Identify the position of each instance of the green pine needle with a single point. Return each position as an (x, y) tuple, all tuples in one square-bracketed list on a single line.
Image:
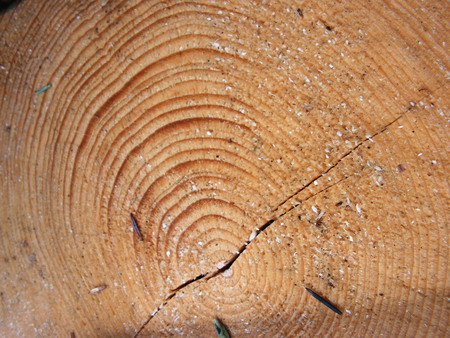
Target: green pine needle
[(221, 329), (43, 89)]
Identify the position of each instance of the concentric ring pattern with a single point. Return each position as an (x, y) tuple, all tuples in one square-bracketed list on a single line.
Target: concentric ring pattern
[(252, 141)]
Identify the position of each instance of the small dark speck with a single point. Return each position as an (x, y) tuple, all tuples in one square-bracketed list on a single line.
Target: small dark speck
[(319, 222), (328, 28), (400, 168), (32, 258), (230, 140), (339, 203), (381, 294), (299, 11), (8, 128)]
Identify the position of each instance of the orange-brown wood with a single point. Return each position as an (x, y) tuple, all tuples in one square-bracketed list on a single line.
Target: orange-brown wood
[(263, 147)]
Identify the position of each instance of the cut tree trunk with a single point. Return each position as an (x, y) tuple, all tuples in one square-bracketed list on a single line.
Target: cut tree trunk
[(263, 147)]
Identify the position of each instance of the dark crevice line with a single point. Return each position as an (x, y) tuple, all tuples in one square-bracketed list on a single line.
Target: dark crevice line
[(311, 196), (203, 275), (381, 130), (265, 226), (320, 191), (268, 223), (154, 314), (259, 230), (240, 251), (229, 264), (189, 282), (169, 297)]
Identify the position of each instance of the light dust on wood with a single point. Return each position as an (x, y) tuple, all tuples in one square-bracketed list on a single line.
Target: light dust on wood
[(262, 146)]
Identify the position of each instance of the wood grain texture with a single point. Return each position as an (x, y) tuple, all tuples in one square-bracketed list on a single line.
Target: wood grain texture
[(261, 152)]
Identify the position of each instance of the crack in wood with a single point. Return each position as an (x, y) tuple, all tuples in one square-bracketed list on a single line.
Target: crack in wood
[(381, 130), (241, 250), (154, 313), (203, 275), (209, 275), (189, 282)]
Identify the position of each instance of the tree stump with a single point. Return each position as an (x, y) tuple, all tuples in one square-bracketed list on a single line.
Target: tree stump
[(263, 147)]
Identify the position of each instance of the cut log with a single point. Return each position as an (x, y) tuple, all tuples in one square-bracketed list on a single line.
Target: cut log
[(276, 156)]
